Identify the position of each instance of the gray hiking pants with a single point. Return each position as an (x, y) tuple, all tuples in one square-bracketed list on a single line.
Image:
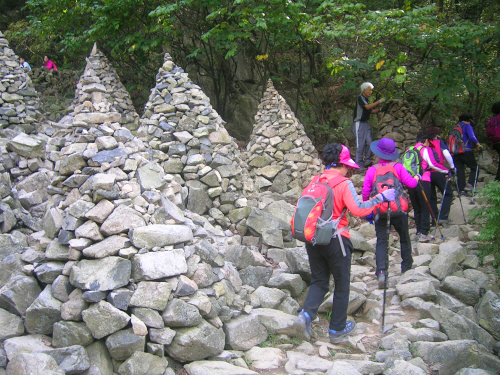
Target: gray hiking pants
[(363, 134)]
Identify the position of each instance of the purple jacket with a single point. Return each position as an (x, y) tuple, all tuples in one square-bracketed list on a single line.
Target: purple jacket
[(404, 176)]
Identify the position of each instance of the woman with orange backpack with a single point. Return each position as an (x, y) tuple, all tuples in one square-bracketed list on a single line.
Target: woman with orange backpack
[(385, 150), (493, 132), (326, 260)]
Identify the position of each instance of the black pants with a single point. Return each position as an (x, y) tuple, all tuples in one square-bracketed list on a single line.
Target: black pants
[(496, 147), (462, 160), (420, 206), (325, 260), (438, 180), (400, 223)]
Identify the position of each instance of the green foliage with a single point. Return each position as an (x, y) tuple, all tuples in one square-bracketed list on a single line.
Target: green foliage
[(273, 340), (489, 215)]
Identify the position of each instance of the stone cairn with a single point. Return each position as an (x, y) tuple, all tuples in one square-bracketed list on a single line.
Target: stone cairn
[(99, 90), (117, 278), (399, 123), (19, 103), (187, 136), (280, 155)]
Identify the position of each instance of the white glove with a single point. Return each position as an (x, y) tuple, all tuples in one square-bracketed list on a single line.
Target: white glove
[(381, 100)]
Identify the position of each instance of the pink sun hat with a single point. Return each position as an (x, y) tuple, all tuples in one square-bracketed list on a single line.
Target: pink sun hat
[(345, 158)]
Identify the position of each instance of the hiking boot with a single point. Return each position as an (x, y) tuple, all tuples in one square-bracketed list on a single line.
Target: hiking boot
[(445, 221), (464, 194), (302, 326), (337, 336), (424, 238), (381, 280), (468, 187)]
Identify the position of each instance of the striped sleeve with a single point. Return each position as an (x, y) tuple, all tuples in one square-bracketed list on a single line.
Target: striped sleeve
[(354, 204)]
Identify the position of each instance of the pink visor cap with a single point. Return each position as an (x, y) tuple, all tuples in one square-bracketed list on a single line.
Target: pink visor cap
[(345, 158)]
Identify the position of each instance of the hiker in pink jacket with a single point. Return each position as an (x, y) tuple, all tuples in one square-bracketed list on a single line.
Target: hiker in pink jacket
[(49, 64), (420, 205), (386, 151)]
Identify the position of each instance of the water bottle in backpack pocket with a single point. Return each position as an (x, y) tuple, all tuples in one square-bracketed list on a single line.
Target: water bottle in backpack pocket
[(313, 220), (385, 178)]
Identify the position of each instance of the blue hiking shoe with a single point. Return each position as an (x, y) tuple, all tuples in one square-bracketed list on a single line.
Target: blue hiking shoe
[(302, 326), (337, 336)]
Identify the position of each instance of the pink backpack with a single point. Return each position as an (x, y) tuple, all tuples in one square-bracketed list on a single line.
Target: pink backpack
[(493, 129)]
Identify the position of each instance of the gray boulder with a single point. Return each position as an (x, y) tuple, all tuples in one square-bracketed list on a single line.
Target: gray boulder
[(103, 319), (143, 364), (459, 327), (488, 313), (181, 314), (10, 325), (216, 368), (68, 333), (298, 262), (28, 146), (293, 283), (100, 360), (25, 344), (43, 313), (101, 275), (463, 289), (255, 276), (150, 294), (342, 368), (244, 332), (107, 247), (158, 265), (123, 344), (449, 357), (19, 293), (33, 364), (72, 360), (159, 235), (195, 343), (122, 219)]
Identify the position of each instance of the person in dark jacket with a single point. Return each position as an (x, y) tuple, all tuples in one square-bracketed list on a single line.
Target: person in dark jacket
[(467, 158)]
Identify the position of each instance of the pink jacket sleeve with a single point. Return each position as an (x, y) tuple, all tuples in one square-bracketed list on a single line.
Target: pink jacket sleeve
[(405, 177), (368, 184)]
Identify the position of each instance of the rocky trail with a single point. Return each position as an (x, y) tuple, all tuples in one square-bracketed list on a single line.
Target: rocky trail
[(156, 246)]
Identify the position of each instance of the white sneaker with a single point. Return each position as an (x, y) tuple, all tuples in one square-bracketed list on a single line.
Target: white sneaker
[(424, 238)]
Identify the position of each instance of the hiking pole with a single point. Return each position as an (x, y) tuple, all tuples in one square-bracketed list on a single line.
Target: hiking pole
[(430, 209), (475, 183), (386, 257), (441, 208), (460, 199)]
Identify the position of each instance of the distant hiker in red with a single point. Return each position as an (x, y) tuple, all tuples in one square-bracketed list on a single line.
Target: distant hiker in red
[(438, 180), (493, 132), (49, 64), (326, 260), (387, 153)]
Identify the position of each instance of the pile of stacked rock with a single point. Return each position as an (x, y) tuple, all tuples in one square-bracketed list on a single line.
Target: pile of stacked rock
[(101, 91), (280, 155), (115, 269), (19, 103), (187, 136), (399, 122)]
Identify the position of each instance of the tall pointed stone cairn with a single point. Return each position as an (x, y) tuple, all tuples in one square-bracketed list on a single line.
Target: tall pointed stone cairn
[(189, 138), (19, 102), (280, 155), (100, 90), (399, 123)]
